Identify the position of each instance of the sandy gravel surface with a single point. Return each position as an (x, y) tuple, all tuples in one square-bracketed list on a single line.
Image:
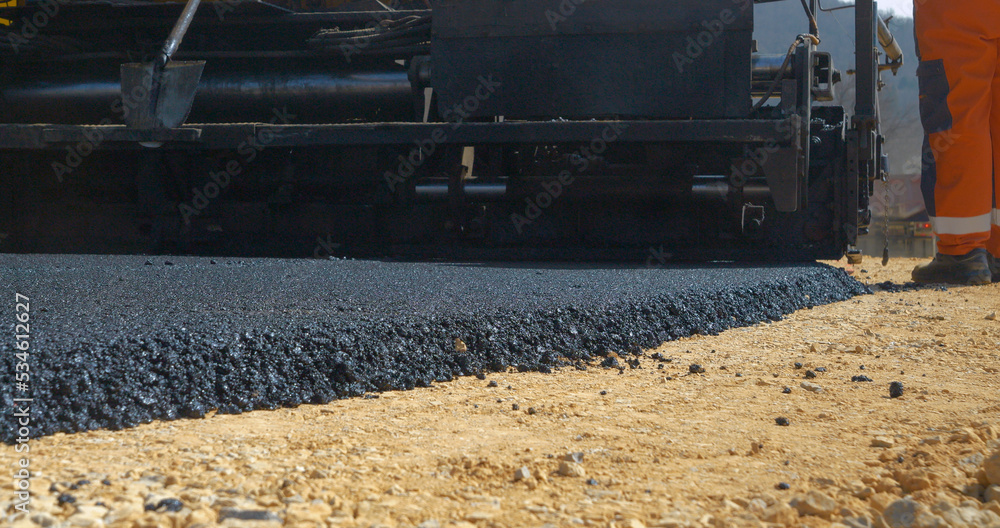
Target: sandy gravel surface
[(660, 445)]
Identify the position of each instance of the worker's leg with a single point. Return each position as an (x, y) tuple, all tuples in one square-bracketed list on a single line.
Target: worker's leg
[(958, 57), (994, 243)]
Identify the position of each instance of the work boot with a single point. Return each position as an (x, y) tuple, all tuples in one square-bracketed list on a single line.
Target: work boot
[(994, 267), (973, 268)]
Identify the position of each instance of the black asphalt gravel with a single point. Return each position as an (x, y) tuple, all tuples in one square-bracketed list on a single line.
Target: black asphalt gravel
[(117, 341)]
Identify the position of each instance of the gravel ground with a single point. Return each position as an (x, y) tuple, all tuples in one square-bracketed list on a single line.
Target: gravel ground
[(691, 437), (119, 341)]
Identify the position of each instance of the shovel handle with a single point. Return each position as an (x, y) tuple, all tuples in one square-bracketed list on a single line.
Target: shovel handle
[(180, 28)]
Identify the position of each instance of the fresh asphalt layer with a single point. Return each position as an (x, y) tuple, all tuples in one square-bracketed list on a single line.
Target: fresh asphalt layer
[(120, 340)]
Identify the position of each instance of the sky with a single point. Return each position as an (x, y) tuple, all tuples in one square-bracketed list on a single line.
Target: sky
[(902, 8)]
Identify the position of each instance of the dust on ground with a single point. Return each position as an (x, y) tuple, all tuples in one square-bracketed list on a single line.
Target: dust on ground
[(664, 444)]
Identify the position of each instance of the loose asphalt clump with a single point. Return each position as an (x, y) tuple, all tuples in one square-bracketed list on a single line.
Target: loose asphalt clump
[(166, 505), (892, 287), (896, 389), (116, 343), (860, 378)]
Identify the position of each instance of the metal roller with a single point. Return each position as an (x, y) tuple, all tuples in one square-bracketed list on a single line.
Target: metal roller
[(472, 191), (765, 67), (227, 92), (718, 188)]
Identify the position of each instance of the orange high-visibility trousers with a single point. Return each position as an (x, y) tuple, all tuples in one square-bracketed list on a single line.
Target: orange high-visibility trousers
[(958, 45)]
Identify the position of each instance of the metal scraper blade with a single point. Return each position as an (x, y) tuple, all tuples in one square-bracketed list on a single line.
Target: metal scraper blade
[(164, 104)]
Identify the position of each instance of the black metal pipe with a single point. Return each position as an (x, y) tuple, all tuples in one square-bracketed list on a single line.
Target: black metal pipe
[(703, 187), (866, 78), (718, 188), (228, 92), (765, 67), (483, 192), (814, 9)]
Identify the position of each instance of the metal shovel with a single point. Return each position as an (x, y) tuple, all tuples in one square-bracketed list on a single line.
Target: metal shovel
[(159, 94)]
